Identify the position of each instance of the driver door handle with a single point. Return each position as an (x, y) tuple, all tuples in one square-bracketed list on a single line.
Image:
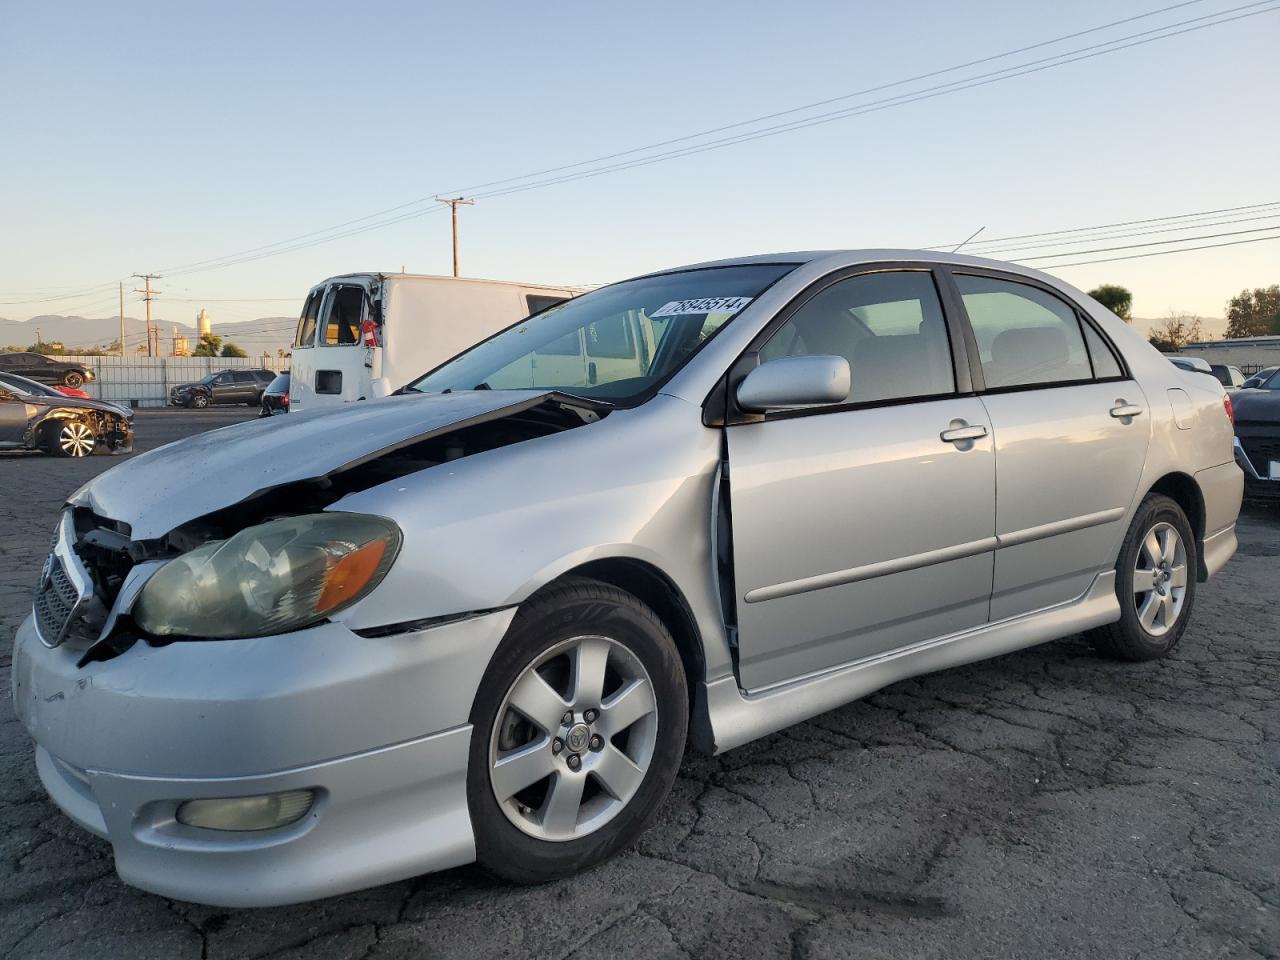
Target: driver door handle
[(1123, 411), (961, 434)]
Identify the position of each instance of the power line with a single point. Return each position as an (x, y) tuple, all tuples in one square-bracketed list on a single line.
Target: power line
[(1111, 46), (1090, 238), (1161, 253), (889, 103), (1149, 243)]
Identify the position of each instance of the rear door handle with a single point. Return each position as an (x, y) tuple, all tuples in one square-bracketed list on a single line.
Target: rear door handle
[(1123, 411), (961, 434)]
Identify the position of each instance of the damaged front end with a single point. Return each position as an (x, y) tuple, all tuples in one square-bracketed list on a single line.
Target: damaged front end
[(249, 549)]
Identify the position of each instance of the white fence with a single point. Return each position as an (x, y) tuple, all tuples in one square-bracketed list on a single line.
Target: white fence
[(145, 381)]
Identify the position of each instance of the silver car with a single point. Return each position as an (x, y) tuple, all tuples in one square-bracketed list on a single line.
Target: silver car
[(481, 620)]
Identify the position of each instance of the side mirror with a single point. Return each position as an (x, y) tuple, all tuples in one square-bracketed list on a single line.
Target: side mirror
[(792, 382)]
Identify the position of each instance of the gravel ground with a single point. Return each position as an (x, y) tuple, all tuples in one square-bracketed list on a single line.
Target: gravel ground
[(1045, 804)]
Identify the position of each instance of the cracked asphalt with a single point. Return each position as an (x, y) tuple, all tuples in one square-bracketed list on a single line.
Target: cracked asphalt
[(1046, 804)]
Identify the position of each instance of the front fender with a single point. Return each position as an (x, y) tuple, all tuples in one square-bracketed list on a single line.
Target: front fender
[(488, 530)]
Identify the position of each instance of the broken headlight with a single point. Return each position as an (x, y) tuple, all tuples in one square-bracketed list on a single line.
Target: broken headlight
[(275, 577)]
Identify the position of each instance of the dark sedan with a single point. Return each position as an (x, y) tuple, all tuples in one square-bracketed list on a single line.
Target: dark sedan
[(225, 386), (59, 425), (275, 399), (37, 366), (1257, 415)]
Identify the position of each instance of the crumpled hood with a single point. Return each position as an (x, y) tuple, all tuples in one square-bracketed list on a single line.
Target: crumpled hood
[(155, 492), (1256, 404)]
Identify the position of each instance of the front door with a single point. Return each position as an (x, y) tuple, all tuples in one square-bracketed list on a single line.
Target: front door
[(1071, 432), (13, 416), (867, 527)]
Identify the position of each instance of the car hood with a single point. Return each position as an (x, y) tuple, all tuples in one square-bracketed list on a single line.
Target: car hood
[(188, 386), (77, 403), (1256, 405), (155, 492)]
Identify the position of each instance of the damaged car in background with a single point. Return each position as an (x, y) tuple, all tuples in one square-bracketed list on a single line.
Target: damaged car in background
[(36, 417), (481, 619)]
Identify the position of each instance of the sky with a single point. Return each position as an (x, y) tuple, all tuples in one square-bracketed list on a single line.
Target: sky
[(141, 137)]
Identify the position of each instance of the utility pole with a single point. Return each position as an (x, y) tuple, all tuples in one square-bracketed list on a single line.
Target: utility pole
[(122, 320), (453, 207), (148, 295)]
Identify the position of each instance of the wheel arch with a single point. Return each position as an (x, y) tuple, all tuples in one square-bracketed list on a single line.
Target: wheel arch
[(658, 591), (1183, 490)]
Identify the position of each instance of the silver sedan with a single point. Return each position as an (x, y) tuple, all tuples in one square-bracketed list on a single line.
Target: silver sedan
[(482, 619)]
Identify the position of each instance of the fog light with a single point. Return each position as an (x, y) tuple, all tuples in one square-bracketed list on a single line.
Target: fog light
[(247, 813)]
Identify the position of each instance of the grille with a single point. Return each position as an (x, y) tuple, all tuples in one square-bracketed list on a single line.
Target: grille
[(55, 600), (1261, 450)]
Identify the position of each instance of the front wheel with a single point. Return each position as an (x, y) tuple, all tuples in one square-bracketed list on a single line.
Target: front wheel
[(1155, 584), (578, 731), (199, 401), (70, 438)]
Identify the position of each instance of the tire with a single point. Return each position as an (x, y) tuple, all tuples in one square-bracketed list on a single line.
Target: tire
[(199, 401), (1152, 620), (69, 438), (73, 378), (552, 827)]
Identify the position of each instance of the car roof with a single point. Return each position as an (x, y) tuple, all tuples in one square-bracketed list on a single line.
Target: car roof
[(835, 259)]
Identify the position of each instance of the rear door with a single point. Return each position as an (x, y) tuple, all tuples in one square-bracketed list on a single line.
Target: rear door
[(1071, 431), (866, 527)]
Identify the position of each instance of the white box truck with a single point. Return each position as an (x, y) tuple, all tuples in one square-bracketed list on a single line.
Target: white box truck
[(366, 335)]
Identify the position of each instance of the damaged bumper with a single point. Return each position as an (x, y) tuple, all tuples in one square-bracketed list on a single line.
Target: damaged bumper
[(376, 727)]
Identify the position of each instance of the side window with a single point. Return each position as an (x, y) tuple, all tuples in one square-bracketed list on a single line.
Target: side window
[(567, 346), (611, 338), (539, 302), (1025, 335), (241, 377), (307, 322), (1105, 364), (342, 325), (889, 326)]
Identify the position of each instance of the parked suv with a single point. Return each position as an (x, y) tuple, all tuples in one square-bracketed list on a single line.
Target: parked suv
[(225, 386), (37, 366)]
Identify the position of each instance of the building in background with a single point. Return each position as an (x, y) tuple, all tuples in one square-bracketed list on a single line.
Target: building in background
[(204, 324), (180, 346), (1250, 354)]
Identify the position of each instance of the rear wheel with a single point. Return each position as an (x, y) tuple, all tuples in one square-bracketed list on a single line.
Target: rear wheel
[(579, 729), (73, 378), (69, 438), (1155, 584)]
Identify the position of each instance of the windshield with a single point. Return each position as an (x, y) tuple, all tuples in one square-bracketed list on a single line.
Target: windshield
[(616, 344)]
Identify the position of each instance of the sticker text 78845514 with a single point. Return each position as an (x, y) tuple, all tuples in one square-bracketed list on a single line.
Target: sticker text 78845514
[(675, 308)]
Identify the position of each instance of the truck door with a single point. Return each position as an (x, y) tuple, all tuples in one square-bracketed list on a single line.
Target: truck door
[(340, 373), (302, 357)]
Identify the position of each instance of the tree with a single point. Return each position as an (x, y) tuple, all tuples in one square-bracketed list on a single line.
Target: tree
[(233, 350), (209, 346), (1253, 312), (1175, 332), (1115, 298)]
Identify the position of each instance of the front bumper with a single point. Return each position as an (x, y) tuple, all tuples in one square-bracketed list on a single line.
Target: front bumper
[(377, 727)]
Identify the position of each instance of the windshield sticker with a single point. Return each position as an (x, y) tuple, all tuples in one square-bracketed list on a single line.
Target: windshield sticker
[(675, 308)]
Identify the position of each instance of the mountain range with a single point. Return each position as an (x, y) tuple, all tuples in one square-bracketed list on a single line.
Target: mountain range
[(267, 334)]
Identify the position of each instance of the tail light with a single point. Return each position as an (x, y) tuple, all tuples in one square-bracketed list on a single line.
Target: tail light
[(1226, 405)]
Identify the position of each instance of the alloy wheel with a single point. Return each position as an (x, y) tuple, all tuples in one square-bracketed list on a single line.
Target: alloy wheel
[(1160, 579), (574, 738), (76, 439)]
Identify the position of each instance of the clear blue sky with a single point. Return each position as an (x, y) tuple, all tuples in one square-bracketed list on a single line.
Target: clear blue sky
[(141, 136)]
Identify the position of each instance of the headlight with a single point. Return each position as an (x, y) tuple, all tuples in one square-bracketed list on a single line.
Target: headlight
[(274, 577)]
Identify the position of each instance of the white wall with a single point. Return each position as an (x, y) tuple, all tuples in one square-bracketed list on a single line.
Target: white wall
[(145, 381)]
